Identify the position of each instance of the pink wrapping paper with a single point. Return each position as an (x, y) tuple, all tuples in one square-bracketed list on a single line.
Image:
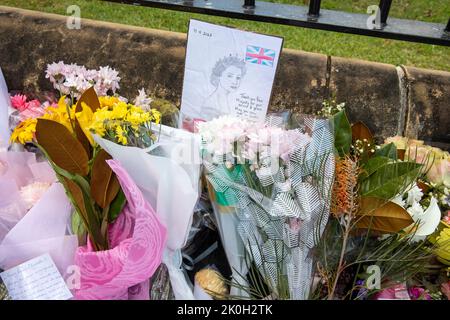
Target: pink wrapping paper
[(137, 239)]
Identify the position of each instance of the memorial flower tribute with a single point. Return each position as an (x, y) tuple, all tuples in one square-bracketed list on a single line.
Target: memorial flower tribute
[(295, 207)]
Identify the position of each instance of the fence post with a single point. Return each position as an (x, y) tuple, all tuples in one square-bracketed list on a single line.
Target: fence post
[(314, 8), (249, 4), (385, 6)]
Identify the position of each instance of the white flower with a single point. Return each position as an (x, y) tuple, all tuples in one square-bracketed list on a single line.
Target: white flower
[(415, 211), (399, 200), (414, 195), (142, 100), (427, 220), (31, 193)]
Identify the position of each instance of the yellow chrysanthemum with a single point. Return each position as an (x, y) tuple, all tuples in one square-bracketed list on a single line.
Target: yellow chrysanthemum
[(108, 101), (156, 116), (137, 118), (121, 135), (119, 110), (24, 132)]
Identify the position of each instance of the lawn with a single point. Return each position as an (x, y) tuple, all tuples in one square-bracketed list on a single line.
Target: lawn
[(330, 43)]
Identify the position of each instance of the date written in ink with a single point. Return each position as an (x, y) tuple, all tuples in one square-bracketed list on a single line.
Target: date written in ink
[(202, 32)]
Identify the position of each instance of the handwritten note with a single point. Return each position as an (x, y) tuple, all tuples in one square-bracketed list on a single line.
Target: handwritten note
[(248, 107), (36, 279)]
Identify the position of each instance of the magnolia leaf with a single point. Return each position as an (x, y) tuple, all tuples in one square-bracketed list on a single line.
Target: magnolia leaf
[(401, 154), (423, 186), (87, 212), (82, 138), (389, 150), (361, 132), (104, 183), (77, 197), (342, 133), (383, 216), (390, 179), (117, 206), (373, 164), (62, 148), (90, 98)]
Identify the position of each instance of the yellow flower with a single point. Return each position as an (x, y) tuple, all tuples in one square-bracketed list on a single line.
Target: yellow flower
[(108, 101), (85, 118), (62, 114), (24, 132), (119, 110), (121, 135), (156, 116), (137, 118), (443, 245)]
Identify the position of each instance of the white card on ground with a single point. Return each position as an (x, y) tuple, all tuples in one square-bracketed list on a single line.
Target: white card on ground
[(227, 71), (36, 279)]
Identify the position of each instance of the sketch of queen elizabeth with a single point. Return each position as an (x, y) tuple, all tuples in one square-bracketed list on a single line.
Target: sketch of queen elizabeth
[(226, 77)]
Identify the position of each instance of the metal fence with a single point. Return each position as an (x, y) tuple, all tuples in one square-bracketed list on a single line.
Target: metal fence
[(375, 24)]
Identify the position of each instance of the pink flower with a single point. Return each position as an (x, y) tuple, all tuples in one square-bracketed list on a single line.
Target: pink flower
[(395, 292), (446, 218), (19, 102), (417, 293), (31, 193), (445, 288), (439, 172)]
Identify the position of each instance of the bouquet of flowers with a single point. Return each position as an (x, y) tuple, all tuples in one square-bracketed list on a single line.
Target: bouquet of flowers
[(271, 193), (384, 216), (103, 219)]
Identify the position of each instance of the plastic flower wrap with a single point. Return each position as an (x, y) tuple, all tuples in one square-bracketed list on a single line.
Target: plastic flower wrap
[(270, 191), (170, 167), (137, 241)]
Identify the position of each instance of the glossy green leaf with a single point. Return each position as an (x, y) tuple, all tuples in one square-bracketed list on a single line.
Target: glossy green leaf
[(390, 179), (373, 164), (342, 133), (117, 206), (388, 150)]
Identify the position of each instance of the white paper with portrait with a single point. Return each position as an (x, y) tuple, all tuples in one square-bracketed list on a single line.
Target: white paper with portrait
[(227, 71)]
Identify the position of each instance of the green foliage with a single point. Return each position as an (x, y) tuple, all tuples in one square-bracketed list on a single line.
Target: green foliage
[(116, 206), (388, 150), (390, 179), (342, 133)]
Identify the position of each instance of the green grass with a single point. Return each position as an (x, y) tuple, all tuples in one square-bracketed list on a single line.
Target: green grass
[(330, 43)]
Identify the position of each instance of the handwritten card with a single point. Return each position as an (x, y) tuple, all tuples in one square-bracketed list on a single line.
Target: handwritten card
[(36, 279), (227, 71)]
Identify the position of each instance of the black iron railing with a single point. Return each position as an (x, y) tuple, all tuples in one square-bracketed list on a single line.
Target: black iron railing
[(313, 17)]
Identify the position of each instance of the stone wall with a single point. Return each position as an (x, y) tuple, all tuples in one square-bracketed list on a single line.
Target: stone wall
[(390, 100)]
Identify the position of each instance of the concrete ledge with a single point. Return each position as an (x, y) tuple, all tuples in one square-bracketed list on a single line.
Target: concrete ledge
[(408, 101)]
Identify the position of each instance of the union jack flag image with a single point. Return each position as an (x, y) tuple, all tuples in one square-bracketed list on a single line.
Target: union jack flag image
[(260, 56)]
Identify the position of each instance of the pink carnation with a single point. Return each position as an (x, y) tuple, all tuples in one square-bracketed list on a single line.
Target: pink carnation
[(19, 102)]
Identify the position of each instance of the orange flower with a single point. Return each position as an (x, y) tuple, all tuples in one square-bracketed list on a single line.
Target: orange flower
[(344, 197)]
